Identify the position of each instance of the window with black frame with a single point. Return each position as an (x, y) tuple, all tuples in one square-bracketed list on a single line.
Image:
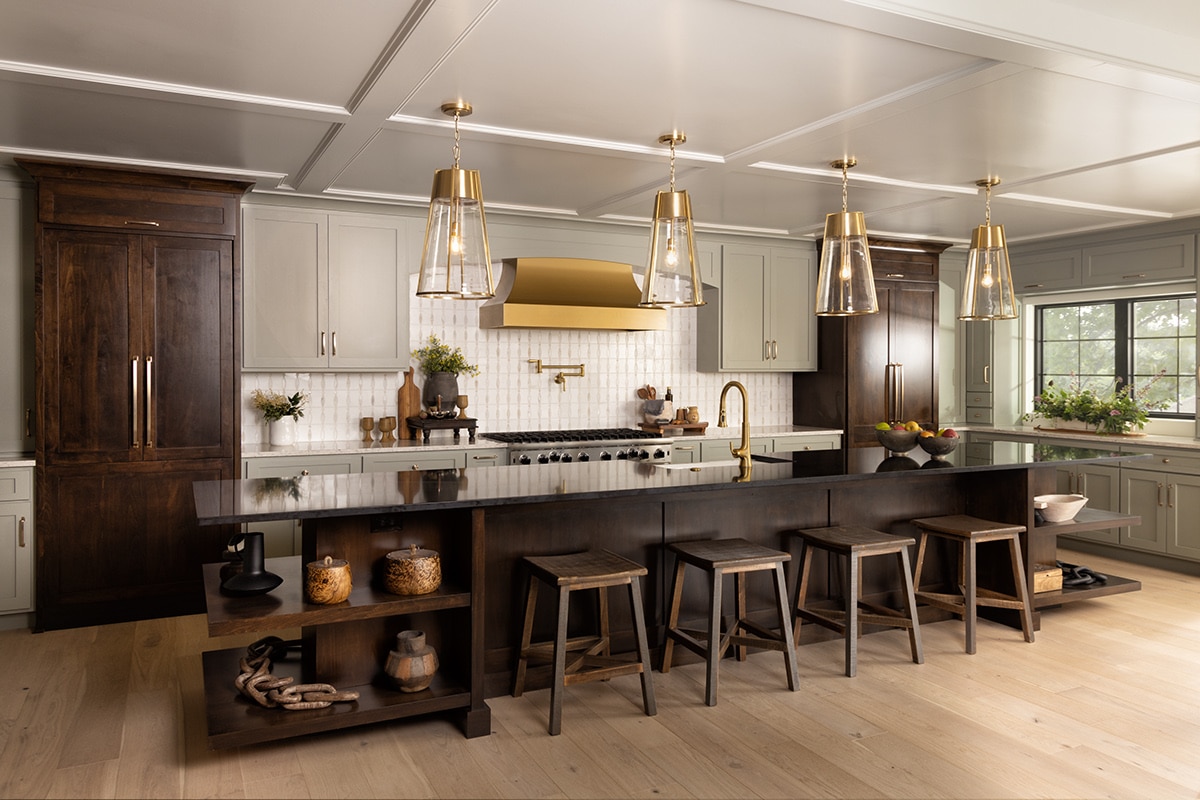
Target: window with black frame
[(1149, 343)]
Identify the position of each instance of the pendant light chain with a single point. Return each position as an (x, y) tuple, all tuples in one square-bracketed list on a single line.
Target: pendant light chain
[(672, 163), (845, 185), (456, 144), (987, 206)]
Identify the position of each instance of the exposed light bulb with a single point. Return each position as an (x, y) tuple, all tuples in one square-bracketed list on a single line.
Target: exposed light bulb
[(672, 256), (847, 269)]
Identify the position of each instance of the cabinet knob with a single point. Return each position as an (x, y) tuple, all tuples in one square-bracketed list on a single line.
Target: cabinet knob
[(303, 472)]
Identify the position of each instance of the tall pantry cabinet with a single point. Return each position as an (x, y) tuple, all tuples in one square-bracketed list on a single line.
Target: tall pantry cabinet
[(137, 330), (865, 360)]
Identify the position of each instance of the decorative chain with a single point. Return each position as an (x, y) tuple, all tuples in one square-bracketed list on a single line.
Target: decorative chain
[(845, 183), (987, 207), (456, 147), (258, 684), (672, 163)]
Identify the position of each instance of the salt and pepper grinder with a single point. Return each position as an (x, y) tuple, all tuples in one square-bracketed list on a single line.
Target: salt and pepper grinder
[(668, 409)]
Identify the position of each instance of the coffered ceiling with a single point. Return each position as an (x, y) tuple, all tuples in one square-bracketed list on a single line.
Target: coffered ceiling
[(1089, 110)]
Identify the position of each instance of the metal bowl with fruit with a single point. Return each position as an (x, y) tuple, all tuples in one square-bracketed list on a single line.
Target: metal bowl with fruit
[(897, 437), (939, 444)]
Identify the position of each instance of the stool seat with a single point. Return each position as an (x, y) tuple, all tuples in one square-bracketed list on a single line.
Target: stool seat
[(595, 569), (970, 531), (853, 544), (716, 558)]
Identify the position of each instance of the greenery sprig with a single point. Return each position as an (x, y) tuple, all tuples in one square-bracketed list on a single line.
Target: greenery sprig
[(440, 357), (276, 406), (1116, 412)]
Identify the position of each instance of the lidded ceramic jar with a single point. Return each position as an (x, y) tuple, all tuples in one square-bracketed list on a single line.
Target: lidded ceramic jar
[(327, 582), (413, 571), (413, 663)]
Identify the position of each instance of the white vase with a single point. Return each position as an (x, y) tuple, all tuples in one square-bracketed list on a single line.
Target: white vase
[(282, 432)]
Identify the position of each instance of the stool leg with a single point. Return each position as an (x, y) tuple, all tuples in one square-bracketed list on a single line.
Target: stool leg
[(560, 662), (673, 618), (606, 641), (851, 605), (739, 583), (1014, 546), (785, 630), (910, 604), (802, 587), (639, 629), (526, 637), (922, 539), (970, 610), (714, 638)]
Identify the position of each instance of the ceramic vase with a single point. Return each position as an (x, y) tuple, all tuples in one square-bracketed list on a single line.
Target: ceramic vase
[(413, 663), (282, 432)]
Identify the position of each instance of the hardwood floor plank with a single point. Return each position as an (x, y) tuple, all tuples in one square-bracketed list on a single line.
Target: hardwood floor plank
[(97, 722), (151, 747)]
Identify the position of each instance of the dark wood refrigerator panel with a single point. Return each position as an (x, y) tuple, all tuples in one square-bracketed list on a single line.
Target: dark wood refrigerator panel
[(865, 359), (137, 386)]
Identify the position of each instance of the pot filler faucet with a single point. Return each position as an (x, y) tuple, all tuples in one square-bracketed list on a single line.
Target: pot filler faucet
[(743, 452)]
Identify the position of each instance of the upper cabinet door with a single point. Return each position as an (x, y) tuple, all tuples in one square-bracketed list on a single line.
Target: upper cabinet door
[(189, 386), (792, 302), (368, 292), (92, 365), (744, 285), (324, 291), (285, 280)]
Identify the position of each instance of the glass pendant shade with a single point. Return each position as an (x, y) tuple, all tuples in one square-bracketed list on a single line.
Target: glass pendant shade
[(672, 279), (455, 261), (989, 290), (845, 285)]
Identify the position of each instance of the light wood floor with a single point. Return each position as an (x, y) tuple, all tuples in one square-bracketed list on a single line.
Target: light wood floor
[(1106, 703)]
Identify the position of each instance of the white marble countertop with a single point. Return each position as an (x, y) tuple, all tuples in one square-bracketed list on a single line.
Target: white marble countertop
[(16, 460), (443, 440)]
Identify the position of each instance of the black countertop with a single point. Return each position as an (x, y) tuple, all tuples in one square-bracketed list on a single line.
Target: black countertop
[(312, 496)]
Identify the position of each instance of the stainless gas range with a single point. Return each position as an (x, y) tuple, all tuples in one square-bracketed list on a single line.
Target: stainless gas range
[(567, 446)]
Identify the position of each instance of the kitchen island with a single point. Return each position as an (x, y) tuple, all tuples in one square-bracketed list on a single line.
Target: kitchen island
[(483, 521)]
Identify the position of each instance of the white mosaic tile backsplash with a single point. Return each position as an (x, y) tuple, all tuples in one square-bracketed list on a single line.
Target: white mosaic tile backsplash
[(509, 395)]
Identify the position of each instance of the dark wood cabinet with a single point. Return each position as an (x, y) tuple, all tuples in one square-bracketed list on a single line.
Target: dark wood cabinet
[(863, 360), (136, 359)]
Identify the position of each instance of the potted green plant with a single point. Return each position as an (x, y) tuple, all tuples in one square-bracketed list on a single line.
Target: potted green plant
[(281, 413), (1117, 412), (441, 365)]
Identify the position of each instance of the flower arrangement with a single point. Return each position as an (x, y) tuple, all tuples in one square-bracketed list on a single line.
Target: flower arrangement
[(276, 406), (439, 357), (1116, 412)]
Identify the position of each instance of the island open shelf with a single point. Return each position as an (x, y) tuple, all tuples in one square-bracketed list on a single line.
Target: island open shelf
[(1088, 519)]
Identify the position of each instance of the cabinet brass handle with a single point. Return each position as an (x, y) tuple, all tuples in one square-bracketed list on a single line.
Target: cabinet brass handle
[(28, 423), (774, 348), (1166, 461), (21, 532), (1134, 276), (1160, 495), (149, 401), (333, 343), (894, 275), (686, 449), (484, 458), (766, 349), (1170, 498), (136, 431), (1033, 285), (987, 374), (148, 222), (322, 342)]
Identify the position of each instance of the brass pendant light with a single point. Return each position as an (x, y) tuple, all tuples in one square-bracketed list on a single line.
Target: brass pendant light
[(988, 293), (845, 285), (455, 261), (672, 279)]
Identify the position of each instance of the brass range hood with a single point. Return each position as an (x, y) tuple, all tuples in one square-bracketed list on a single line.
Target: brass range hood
[(576, 293)]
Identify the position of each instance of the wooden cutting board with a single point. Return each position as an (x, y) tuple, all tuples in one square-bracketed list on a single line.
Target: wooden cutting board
[(408, 400)]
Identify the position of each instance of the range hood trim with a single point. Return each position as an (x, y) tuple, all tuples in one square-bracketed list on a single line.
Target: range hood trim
[(569, 293)]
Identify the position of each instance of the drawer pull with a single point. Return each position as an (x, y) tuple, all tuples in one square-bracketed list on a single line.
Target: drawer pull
[(1133, 277), (484, 458), (1033, 285), (21, 532), (303, 472), (147, 222), (894, 275), (1166, 461)]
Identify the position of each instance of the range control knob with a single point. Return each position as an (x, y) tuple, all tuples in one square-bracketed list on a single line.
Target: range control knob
[(584, 457), (555, 457), (524, 460), (660, 453), (566, 458), (643, 455), (606, 456), (622, 455), (543, 458)]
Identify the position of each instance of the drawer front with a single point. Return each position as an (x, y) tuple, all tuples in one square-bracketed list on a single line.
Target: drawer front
[(793, 444), (496, 457), (979, 399), (137, 208), (979, 416), (1160, 461), (407, 463), (15, 484), (292, 467)]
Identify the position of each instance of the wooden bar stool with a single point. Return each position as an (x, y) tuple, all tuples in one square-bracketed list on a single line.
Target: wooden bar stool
[(854, 544), (718, 557), (969, 532), (598, 569)]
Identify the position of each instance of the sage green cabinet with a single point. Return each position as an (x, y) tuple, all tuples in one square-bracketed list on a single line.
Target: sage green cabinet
[(1128, 262), (1103, 487), (761, 319), (16, 539), (324, 291), (16, 319), (1165, 492)]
